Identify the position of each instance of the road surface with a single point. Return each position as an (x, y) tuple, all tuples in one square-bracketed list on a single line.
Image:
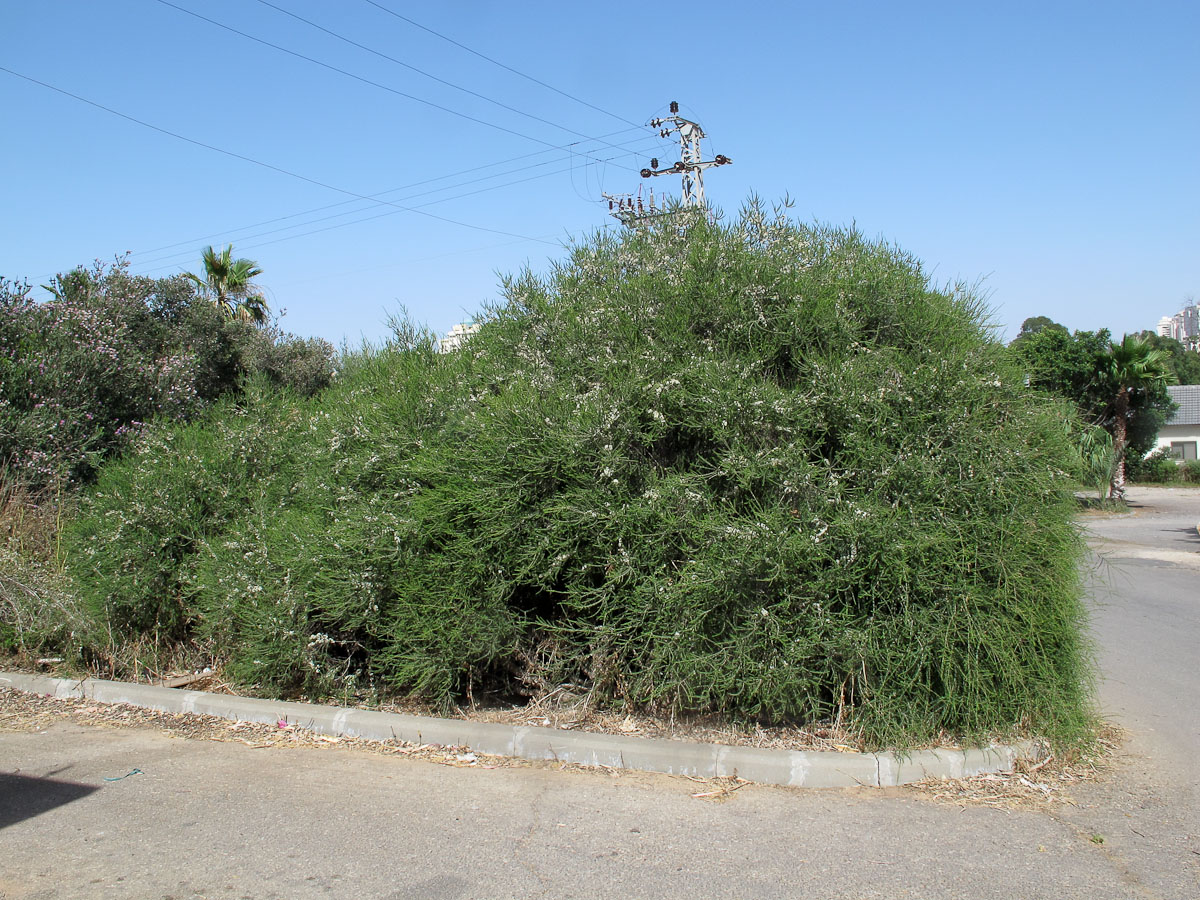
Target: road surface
[(222, 820)]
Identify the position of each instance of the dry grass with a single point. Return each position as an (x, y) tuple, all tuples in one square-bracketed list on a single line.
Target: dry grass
[(1033, 784), (30, 522), (20, 711), (569, 709), (565, 708)]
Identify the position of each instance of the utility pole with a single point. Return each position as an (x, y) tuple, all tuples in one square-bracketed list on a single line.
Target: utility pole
[(690, 167)]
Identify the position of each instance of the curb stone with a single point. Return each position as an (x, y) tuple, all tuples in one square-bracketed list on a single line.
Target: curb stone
[(793, 768)]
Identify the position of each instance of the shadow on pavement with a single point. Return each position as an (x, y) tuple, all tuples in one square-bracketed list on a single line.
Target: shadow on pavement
[(1191, 534), (26, 796)]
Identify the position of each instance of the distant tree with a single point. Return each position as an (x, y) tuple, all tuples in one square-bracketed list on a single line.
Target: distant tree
[(229, 284), (1066, 364), (1131, 366), (1037, 324), (1078, 367)]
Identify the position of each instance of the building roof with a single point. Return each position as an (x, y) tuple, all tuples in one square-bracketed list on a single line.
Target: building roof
[(1188, 398)]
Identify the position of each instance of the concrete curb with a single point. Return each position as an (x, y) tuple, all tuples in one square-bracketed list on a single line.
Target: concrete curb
[(786, 767)]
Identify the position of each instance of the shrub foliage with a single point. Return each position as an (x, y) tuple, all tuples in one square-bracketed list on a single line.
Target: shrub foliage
[(83, 371), (757, 469)]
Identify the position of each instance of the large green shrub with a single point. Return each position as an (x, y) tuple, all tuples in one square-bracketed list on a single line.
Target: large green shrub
[(141, 529), (759, 469)]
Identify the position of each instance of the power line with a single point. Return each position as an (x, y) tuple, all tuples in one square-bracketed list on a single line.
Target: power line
[(348, 74), (390, 212), (187, 254), (495, 62), (377, 196), (418, 259), (419, 71), (257, 162)]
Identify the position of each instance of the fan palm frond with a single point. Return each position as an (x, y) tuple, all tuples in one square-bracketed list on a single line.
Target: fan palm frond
[(229, 284)]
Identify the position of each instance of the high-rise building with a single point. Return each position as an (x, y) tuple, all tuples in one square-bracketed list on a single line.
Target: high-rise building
[(1184, 326), (457, 336)]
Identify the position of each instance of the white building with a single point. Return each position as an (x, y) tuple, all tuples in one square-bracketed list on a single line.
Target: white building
[(1181, 434), (457, 336), (1184, 326)]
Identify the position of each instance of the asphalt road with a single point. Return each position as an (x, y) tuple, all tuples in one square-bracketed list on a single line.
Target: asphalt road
[(223, 820), (1145, 585)]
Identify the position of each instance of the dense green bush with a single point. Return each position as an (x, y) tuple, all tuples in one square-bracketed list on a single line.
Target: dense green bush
[(152, 513), (758, 469), (1160, 467), (1153, 468), (83, 371), (39, 613), (80, 375)]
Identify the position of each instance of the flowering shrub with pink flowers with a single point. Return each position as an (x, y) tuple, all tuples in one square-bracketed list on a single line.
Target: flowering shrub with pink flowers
[(83, 371)]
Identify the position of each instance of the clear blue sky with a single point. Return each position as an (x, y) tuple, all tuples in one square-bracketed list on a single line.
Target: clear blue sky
[(1050, 148)]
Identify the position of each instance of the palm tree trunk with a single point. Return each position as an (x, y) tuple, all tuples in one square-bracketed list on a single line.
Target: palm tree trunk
[(1117, 488)]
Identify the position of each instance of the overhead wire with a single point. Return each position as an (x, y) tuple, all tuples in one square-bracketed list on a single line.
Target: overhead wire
[(371, 218), (253, 161), (375, 199), (374, 196), (496, 62), (360, 78), (251, 237), (571, 148), (419, 71)]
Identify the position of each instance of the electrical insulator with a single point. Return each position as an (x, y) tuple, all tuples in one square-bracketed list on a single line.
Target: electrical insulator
[(632, 211)]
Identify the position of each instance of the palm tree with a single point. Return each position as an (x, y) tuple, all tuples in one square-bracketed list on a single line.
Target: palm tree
[(1132, 365), (229, 284)]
